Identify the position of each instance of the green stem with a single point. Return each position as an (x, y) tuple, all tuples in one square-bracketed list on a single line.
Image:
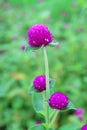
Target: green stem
[(44, 102), (52, 114), (47, 83), (54, 118)]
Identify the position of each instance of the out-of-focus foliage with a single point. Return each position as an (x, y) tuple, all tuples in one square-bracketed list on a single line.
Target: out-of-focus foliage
[(67, 20)]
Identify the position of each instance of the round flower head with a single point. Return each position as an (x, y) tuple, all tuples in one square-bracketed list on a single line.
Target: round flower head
[(58, 100), (39, 83), (84, 127), (79, 111), (39, 35)]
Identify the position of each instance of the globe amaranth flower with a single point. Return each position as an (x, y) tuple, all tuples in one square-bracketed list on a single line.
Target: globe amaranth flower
[(58, 100), (39, 35), (79, 111), (39, 83), (84, 127)]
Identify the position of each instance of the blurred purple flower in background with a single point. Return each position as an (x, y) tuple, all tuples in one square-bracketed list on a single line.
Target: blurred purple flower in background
[(79, 30), (79, 111), (64, 13), (57, 46), (23, 47), (38, 123), (40, 0), (14, 38), (74, 4), (81, 118)]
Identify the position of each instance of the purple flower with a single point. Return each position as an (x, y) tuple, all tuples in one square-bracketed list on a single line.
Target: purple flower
[(81, 118), (40, 83), (79, 30), (14, 38), (23, 47), (64, 13), (39, 35), (57, 46), (84, 127), (74, 4), (38, 123), (58, 100), (79, 111)]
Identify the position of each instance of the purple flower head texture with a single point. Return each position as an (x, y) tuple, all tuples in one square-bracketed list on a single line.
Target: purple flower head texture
[(23, 47), (58, 100), (84, 127), (39, 83), (79, 111), (39, 35)]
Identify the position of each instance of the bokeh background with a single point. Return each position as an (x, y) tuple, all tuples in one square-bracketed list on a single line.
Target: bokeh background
[(67, 20)]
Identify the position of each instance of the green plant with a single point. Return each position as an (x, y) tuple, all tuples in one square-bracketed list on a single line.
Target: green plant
[(40, 37)]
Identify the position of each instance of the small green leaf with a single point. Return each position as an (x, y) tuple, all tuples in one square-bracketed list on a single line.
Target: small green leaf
[(38, 102), (51, 82), (47, 126), (69, 107), (32, 89), (43, 113), (53, 44), (30, 48), (52, 112), (37, 127), (40, 127), (69, 126)]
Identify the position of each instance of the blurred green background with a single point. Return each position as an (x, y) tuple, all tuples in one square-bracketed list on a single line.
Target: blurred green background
[(67, 20)]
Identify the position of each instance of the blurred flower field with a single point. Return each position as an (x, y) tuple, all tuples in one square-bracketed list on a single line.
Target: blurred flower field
[(67, 21)]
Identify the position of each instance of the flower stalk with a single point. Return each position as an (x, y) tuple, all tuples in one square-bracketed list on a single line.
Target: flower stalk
[(47, 83), (54, 118)]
